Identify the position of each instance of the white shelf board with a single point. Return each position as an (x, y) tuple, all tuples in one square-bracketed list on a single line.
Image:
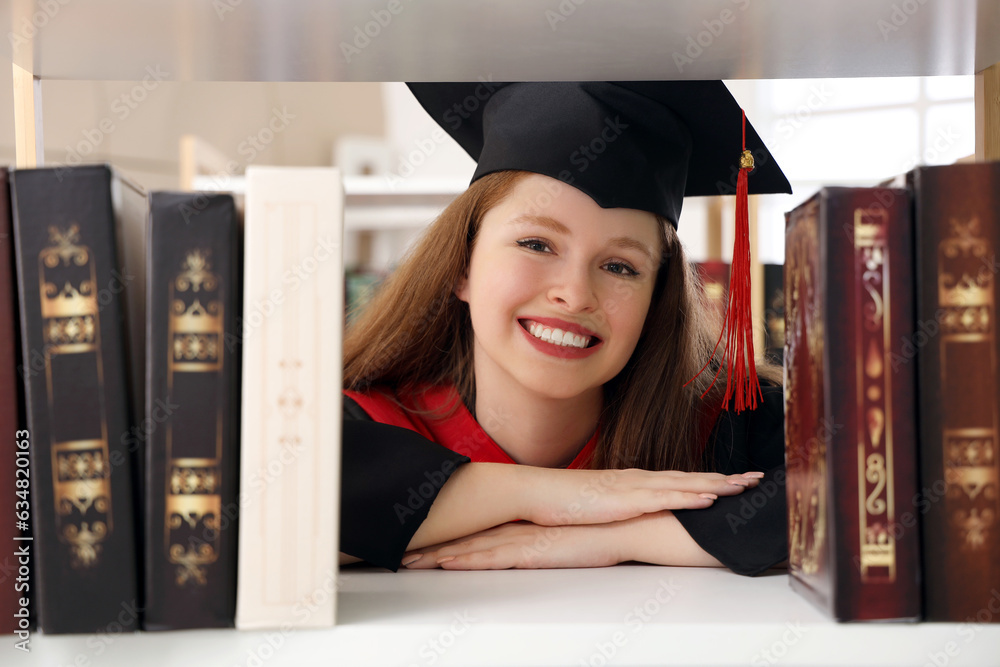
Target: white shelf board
[(642, 615), (500, 40), (372, 202)]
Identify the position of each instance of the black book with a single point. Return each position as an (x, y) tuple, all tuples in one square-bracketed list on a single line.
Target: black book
[(774, 312), (192, 409), (71, 288)]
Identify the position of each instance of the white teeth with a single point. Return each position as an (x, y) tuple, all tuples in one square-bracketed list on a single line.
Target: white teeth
[(558, 336)]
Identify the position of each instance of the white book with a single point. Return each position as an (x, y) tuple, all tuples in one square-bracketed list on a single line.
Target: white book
[(292, 329)]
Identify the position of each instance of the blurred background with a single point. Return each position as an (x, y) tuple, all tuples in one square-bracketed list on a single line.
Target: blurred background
[(822, 131)]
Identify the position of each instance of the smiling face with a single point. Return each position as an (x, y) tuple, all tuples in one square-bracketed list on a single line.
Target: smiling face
[(558, 289)]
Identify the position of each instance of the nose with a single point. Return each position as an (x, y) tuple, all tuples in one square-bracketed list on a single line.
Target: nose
[(574, 289)]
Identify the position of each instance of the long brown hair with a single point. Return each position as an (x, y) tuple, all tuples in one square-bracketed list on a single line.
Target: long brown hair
[(415, 331)]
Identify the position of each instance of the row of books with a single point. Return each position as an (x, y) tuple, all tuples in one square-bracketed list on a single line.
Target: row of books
[(714, 277), (180, 373), (892, 397)]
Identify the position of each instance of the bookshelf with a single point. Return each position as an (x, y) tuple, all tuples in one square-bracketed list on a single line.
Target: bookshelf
[(548, 617)]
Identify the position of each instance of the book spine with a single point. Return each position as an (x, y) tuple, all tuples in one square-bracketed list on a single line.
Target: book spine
[(806, 427), (958, 223), (192, 409), (292, 369), (851, 432), (871, 392), (77, 399)]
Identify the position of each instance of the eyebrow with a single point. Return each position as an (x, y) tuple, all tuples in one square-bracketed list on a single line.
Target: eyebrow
[(626, 242)]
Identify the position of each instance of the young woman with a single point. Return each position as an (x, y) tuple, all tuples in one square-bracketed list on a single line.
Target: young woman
[(549, 319)]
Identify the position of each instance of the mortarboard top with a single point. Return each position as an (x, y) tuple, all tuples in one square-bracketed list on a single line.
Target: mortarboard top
[(639, 144)]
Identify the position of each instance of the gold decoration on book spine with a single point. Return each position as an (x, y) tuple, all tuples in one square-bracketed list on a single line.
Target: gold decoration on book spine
[(193, 511), (966, 298), (806, 464), (71, 325), (194, 496), (877, 560), (196, 316), (68, 300), (83, 498)]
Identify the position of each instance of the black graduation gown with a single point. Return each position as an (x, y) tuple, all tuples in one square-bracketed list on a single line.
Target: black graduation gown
[(391, 475)]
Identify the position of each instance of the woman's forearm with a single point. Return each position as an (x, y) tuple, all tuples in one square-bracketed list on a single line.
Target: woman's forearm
[(660, 539), (477, 496)]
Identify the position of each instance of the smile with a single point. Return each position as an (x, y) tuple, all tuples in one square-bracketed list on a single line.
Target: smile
[(558, 342), (556, 336)]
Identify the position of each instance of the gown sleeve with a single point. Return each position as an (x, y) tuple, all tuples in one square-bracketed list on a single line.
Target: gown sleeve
[(390, 476), (748, 532)]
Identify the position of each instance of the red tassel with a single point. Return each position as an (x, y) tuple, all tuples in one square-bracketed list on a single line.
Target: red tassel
[(738, 357)]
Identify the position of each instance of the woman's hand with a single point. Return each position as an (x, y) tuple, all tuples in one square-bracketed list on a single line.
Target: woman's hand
[(525, 546), (555, 497)]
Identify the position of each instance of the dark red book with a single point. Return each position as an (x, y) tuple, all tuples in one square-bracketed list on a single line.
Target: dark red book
[(850, 425), (192, 395), (715, 282), (75, 357), (16, 609), (957, 211)]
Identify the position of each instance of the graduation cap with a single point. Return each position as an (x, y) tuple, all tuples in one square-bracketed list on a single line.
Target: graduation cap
[(633, 144)]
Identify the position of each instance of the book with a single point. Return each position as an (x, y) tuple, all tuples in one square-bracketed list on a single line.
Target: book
[(850, 427), (715, 282), (292, 328), (359, 287), (75, 359), (957, 216), (16, 608), (192, 411), (774, 312)]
